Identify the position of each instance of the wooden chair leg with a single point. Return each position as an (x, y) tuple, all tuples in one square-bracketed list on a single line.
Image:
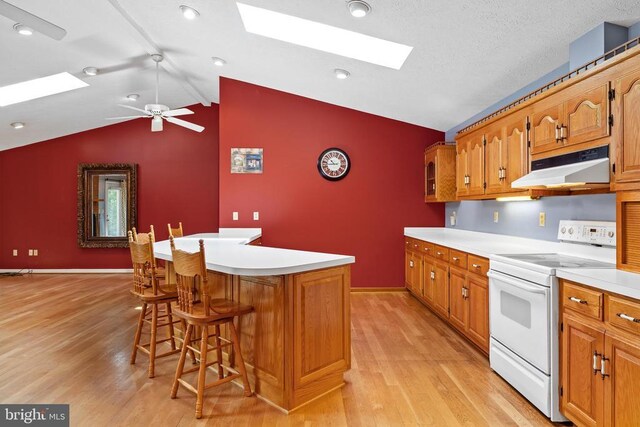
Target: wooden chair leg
[(219, 353), (183, 356), (172, 332), (202, 371), (136, 340), (186, 342), (152, 342), (240, 360)]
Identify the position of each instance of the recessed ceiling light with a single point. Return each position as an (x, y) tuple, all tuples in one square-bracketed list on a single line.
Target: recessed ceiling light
[(358, 8), (38, 88), (341, 74), (218, 61), (90, 71), (17, 125), (23, 30), (189, 12), (133, 97), (323, 37)]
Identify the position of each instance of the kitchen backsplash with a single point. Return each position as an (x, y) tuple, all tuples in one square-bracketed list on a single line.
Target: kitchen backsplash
[(522, 218)]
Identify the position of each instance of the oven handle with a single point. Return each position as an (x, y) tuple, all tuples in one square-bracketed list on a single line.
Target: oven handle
[(517, 283)]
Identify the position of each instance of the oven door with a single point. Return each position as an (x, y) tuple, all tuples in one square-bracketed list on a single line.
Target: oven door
[(519, 317)]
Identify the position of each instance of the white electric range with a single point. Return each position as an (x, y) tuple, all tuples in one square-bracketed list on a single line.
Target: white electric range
[(524, 310)]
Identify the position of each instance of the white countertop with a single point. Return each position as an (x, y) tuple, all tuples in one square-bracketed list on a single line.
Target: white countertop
[(487, 244), (228, 252)]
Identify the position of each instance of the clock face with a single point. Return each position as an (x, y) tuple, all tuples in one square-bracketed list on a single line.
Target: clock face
[(333, 164)]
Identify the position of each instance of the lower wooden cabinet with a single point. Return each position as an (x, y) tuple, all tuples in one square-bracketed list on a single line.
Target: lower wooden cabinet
[(454, 285), (600, 359)]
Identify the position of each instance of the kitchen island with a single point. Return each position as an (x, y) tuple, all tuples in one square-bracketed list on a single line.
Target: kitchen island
[(297, 343)]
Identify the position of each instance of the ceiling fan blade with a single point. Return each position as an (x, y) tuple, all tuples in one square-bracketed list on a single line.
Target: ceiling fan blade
[(126, 117), (185, 124), (135, 109), (32, 21), (156, 124), (177, 112)]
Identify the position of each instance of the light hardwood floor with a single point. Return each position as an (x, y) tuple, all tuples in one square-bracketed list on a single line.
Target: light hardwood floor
[(67, 339)]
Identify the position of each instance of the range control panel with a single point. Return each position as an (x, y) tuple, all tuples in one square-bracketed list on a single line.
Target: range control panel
[(592, 232)]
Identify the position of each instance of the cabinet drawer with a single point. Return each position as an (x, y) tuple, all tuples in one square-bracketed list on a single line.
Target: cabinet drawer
[(478, 265), (624, 314), (412, 244), (457, 258), (582, 300), (441, 252), (426, 248)]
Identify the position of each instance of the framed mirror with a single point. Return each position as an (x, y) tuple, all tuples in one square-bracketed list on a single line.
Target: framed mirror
[(106, 204)]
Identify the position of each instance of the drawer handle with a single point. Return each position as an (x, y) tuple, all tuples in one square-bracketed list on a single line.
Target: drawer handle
[(475, 265), (439, 253), (578, 300), (629, 318), (456, 259), (415, 246), (595, 362), (433, 275), (427, 249)]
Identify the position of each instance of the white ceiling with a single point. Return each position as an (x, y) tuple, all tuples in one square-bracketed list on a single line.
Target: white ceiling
[(467, 55)]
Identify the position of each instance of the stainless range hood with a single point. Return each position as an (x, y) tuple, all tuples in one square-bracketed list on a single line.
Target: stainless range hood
[(579, 170)]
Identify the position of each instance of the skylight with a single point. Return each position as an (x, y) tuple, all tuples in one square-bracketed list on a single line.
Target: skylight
[(38, 88), (323, 37)]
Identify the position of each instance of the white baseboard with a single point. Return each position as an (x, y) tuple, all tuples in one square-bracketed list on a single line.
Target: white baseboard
[(68, 270)]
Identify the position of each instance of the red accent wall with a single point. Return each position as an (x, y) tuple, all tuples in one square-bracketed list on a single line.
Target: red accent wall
[(363, 215), (177, 181)]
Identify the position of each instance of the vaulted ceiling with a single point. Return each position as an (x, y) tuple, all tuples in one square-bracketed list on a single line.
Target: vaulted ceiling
[(467, 55)]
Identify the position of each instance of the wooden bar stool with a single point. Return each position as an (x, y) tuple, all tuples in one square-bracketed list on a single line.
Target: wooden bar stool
[(148, 289), (200, 310), (175, 232), (144, 238)]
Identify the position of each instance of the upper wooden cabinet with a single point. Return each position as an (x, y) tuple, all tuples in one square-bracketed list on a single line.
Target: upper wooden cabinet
[(577, 115), (439, 173), (506, 153), (470, 165), (626, 109)]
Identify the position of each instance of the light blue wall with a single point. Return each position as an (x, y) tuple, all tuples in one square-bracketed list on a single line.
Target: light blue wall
[(588, 46), (521, 218), (634, 31)]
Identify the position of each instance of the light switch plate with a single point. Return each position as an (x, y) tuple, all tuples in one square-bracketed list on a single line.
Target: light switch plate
[(15, 252), (256, 216), (235, 216), (496, 216), (542, 219)]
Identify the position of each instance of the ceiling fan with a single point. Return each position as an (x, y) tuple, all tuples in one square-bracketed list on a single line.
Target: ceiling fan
[(157, 112), (32, 21)]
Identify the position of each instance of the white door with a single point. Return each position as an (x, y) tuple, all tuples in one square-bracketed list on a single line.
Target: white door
[(519, 317)]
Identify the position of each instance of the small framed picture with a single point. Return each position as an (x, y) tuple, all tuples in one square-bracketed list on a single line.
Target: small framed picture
[(246, 160)]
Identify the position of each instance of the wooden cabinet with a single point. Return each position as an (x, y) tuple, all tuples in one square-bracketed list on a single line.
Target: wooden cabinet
[(470, 165), (441, 288), (628, 230), (439, 172), (478, 301), (458, 308), (577, 115), (429, 277), (496, 158), (626, 108), (413, 266), (600, 357), (506, 153)]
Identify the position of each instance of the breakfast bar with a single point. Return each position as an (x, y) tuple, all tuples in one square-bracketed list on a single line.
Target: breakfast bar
[(296, 343)]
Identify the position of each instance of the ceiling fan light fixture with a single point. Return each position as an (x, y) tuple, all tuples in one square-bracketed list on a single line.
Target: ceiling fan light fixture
[(90, 71), (133, 97), (219, 62), (358, 8), (17, 125), (341, 74), (189, 12), (23, 30)]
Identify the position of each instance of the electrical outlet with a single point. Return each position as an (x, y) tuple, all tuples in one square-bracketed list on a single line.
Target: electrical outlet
[(15, 252), (35, 252), (496, 216), (30, 252), (256, 216), (452, 218), (542, 219), (235, 216)]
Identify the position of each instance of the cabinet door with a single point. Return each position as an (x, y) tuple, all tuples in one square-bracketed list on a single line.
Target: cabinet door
[(516, 156), (476, 166), (458, 307), (429, 276), (582, 400), (627, 127), (587, 113), (462, 161), (545, 121), (441, 288), (622, 386), (412, 269), (495, 156), (407, 268), (430, 175), (478, 301)]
